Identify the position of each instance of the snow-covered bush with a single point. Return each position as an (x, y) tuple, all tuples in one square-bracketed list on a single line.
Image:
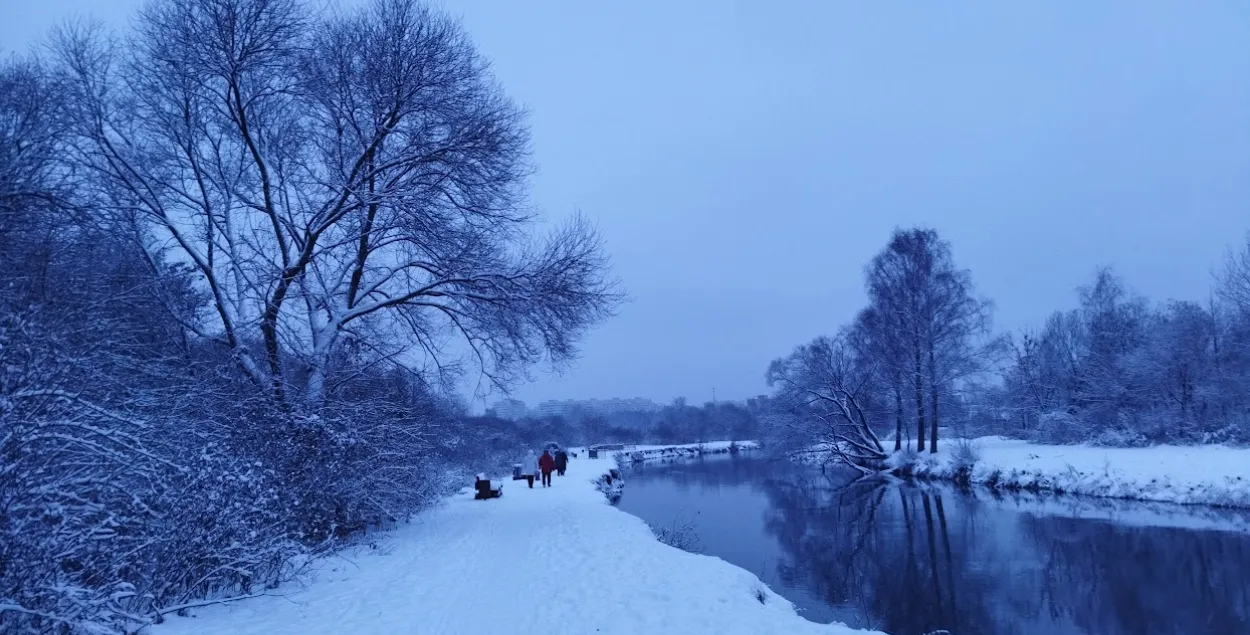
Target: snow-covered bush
[(903, 460), (1121, 438), (965, 454), (680, 534), (1058, 426), (130, 494), (611, 484)]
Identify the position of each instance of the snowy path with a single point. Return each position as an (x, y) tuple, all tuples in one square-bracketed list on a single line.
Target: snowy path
[(534, 561)]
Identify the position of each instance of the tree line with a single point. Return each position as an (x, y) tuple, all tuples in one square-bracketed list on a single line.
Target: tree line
[(248, 249), (676, 423), (923, 357)]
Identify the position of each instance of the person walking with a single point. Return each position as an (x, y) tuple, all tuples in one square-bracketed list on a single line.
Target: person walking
[(546, 463), (562, 461), (531, 468)]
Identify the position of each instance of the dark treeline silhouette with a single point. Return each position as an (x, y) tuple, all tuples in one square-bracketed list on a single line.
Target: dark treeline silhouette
[(922, 358), (677, 423), (240, 246)]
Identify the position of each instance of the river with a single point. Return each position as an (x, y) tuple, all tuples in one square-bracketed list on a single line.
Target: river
[(910, 559)]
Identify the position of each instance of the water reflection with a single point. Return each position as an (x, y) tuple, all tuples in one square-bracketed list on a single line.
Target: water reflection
[(909, 560)]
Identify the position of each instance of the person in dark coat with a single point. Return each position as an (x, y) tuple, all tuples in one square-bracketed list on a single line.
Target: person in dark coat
[(562, 461), (546, 463)]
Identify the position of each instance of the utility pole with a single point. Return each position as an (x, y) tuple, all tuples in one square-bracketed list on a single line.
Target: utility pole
[(713, 395)]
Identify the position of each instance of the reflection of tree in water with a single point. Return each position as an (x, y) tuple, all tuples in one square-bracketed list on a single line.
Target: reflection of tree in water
[(912, 560), (1110, 578), (884, 551)]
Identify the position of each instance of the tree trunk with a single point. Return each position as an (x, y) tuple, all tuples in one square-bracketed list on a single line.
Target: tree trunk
[(269, 330), (898, 414), (933, 402), (314, 392), (919, 381)]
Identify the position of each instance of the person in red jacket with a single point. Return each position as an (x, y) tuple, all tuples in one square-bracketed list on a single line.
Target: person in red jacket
[(546, 463)]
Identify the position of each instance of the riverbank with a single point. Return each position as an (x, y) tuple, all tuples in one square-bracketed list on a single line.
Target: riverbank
[(1212, 475), (652, 453), (534, 561)]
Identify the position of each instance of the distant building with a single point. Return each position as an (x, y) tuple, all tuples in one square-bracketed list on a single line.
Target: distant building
[(567, 407), (510, 409)]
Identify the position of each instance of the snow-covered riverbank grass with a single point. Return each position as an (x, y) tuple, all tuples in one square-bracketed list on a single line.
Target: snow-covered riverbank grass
[(534, 561), (652, 453), (1192, 475)]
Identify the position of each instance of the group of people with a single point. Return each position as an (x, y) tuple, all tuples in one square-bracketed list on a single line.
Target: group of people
[(542, 466)]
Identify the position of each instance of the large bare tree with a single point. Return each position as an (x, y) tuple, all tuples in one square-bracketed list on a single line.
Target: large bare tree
[(925, 320), (346, 179)]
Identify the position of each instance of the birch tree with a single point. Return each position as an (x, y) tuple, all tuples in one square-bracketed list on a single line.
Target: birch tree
[(879, 338), (924, 314)]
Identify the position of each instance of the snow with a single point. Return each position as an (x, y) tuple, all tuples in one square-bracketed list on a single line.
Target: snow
[(534, 561), (1120, 512), (1191, 475), (711, 447), (652, 453)]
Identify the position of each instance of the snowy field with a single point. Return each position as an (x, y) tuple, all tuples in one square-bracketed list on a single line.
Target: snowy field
[(1190, 475), (532, 562)]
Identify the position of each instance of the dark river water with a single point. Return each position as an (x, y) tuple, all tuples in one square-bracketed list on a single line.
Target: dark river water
[(911, 559)]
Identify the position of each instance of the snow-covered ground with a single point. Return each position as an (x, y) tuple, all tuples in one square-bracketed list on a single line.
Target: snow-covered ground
[(653, 453), (710, 446), (534, 561), (1191, 475), (1121, 512)]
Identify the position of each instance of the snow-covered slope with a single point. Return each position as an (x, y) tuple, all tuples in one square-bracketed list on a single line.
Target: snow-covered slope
[(532, 562), (1192, 475)]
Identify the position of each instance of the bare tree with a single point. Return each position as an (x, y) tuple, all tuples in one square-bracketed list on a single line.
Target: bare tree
[(958, 337), (825, 387), (897, 281), (31, 130), (332, 180), (926, 321), (1120, 371), (878, 332), (247, 204), (1233, 283)]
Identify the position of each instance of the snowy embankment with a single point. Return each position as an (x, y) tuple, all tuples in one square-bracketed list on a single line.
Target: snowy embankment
[(1121, 512), (534, 561), (1191, 475), (650, 453)]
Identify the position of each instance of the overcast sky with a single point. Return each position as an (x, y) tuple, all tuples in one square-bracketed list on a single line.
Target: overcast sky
[(745, 159)]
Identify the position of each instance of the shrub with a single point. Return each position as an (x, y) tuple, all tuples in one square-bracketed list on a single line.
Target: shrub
[(1057, 426), (966, 454), (680, 534)]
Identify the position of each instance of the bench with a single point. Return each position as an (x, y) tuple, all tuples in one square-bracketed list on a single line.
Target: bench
[(486, 489)]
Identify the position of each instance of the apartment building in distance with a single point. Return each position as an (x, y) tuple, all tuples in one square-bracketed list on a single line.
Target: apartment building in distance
[(510, 409), (567, 407)]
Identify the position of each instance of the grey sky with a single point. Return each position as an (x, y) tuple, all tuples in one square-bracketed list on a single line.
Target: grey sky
[(745, 159)]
